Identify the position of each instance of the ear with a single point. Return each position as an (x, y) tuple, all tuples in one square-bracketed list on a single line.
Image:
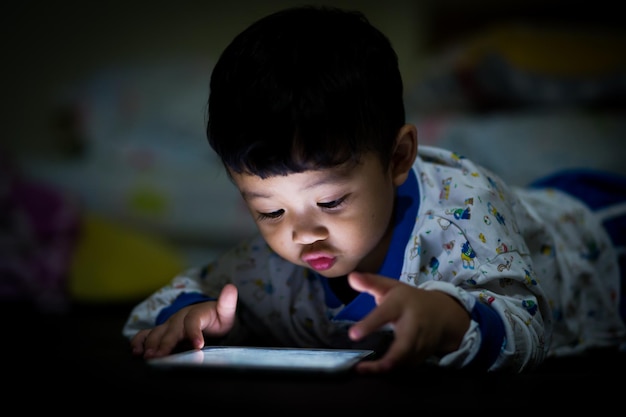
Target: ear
[(404, 154)]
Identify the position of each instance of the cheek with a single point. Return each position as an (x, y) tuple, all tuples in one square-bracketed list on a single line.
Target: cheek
[(278, 239), (368, 228), (380, 219), (378, 216), (380, 205)]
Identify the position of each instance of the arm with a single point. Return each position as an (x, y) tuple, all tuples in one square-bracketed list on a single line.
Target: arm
[(192, 297), (185, 289), (449, 325)]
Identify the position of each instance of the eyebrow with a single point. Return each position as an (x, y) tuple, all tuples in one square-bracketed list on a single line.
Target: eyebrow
[(247, 195), (328, 178)]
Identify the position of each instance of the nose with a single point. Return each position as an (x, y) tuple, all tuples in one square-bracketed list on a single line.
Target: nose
[(306, 230)]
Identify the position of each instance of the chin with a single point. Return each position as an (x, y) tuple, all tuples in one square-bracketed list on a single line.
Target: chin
[(332, 273), (331, 276)]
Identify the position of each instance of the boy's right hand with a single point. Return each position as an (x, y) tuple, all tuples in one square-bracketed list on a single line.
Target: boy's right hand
[(191, 324)]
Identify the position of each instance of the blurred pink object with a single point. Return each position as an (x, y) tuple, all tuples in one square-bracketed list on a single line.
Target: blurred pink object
[(38, 232)]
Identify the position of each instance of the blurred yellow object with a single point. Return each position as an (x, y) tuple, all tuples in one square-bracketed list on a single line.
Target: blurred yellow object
[(115, 263), (552, 51)]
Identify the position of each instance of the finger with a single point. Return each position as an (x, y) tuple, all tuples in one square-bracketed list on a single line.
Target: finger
[(193, 328), (155, 343), (216, 318), (137, 342), (375, 366), (410, 346), (384, 314), (166, 338), (215, 322), (404, 349), (400, 351), (227, 307), (375, 285)]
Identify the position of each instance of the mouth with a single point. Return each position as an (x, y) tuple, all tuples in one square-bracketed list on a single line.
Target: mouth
[(319, 262)]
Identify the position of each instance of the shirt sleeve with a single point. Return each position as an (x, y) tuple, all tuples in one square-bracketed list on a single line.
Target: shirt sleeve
[(185, 289), (191, 286), (467, 242)]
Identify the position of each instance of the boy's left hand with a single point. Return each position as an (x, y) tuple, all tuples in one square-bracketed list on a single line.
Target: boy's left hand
[(425, 322)]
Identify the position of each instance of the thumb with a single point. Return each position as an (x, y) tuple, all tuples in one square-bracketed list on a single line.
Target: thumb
[(227, 306)]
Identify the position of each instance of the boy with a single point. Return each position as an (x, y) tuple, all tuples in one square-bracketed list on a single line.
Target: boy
[(364, 242)]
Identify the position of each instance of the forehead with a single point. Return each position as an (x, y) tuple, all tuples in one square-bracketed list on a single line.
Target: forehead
[(253, 186)]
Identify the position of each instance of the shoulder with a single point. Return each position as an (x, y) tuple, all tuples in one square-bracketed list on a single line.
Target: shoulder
[(448, 180), (466, 211)]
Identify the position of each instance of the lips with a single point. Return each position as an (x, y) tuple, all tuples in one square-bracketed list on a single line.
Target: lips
[(319, 262)]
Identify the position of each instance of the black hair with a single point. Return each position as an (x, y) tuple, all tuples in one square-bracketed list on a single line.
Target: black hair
[(305, 88)]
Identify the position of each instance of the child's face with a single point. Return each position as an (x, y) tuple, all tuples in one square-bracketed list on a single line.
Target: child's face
[(333, 221)]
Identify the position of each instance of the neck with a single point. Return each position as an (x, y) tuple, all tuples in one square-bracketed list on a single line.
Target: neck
[(342, 289)]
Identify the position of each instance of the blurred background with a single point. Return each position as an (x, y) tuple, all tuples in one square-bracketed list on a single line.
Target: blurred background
[(108, 187)]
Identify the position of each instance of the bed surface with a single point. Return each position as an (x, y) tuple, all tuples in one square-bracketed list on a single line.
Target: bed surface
[(78, 361)]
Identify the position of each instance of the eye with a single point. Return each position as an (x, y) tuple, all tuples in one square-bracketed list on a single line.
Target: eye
[(270, 216), (333, 204)]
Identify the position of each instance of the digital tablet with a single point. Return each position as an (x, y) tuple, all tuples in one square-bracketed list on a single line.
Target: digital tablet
[(245, 358)]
